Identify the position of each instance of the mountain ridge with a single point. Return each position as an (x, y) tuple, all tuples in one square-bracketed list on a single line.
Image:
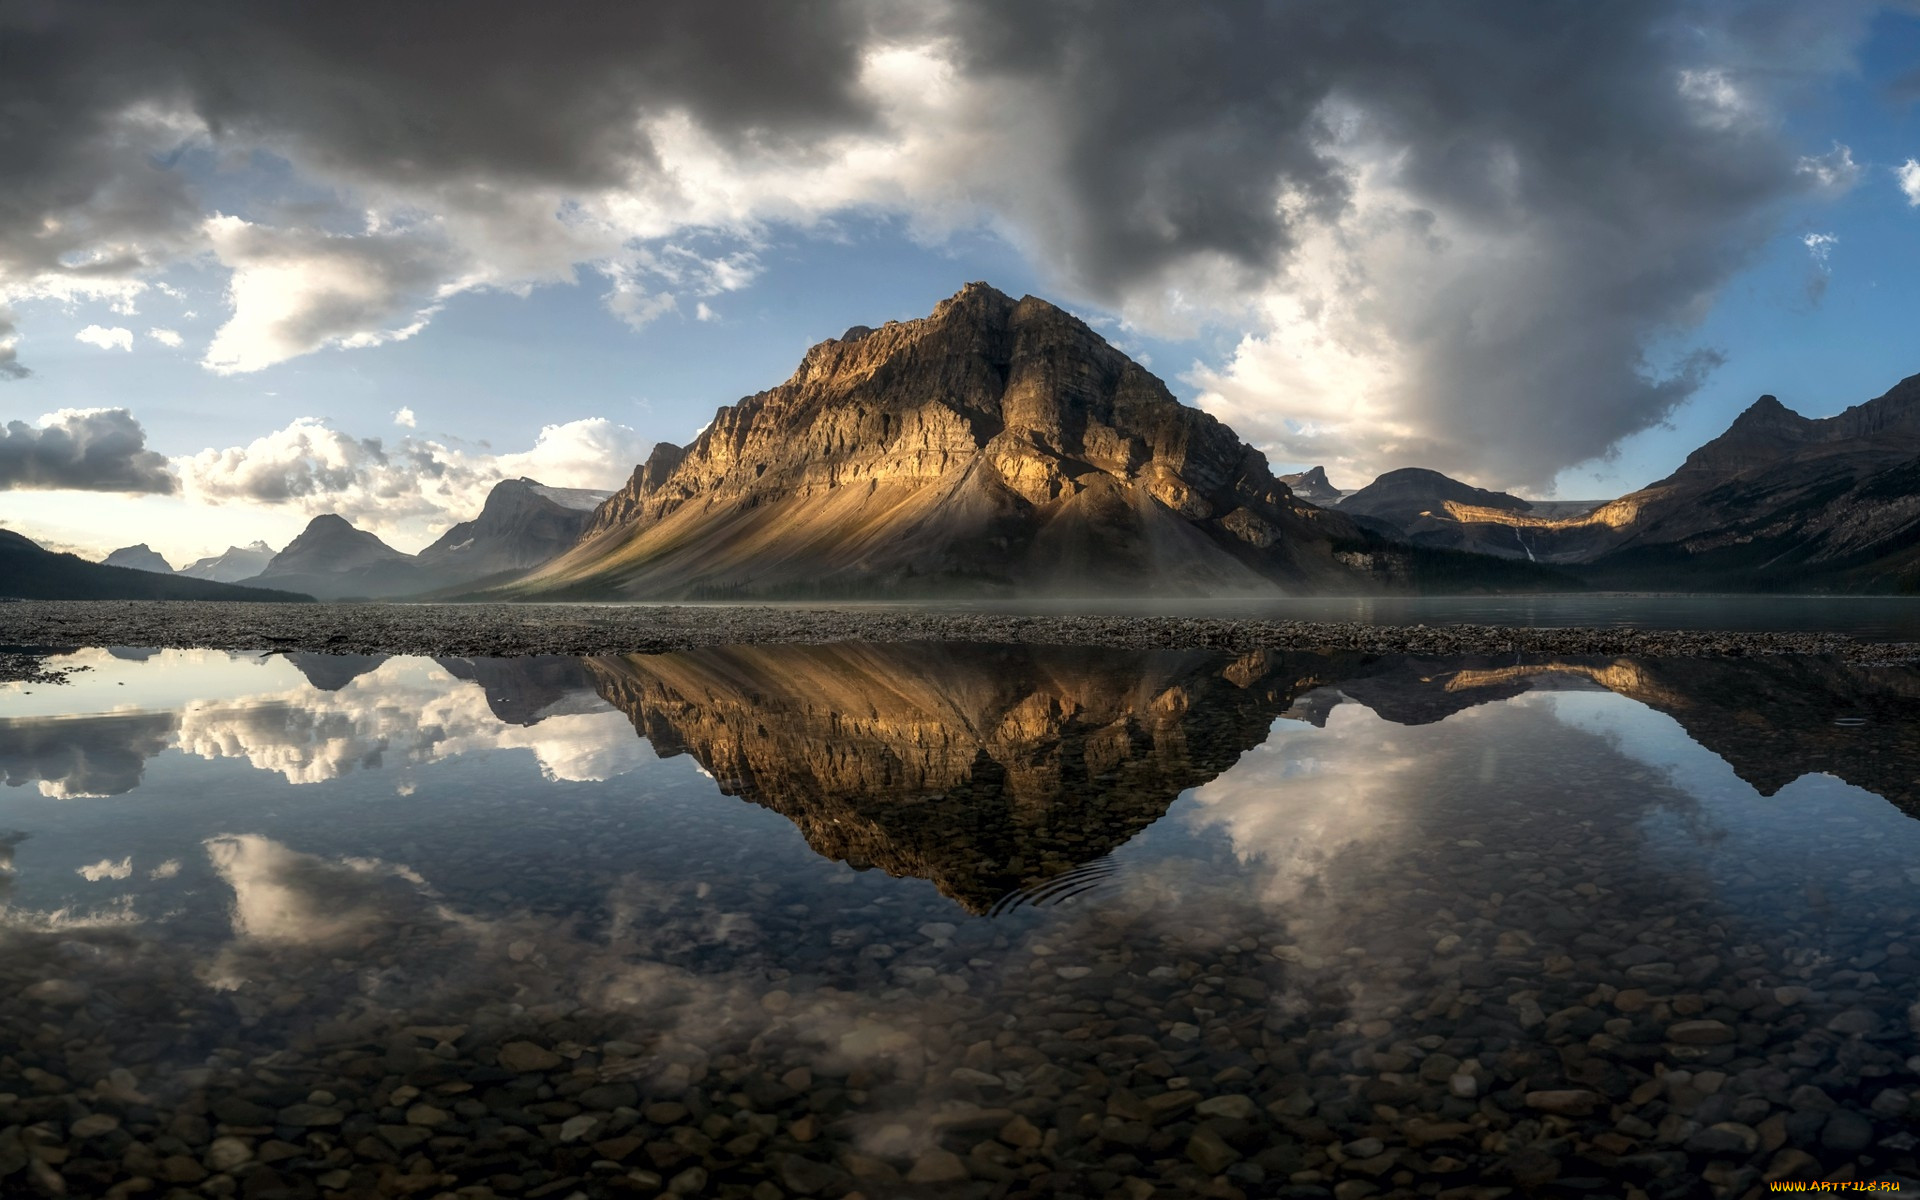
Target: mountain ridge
[(1776, 500), (992, 446), (30, 571)]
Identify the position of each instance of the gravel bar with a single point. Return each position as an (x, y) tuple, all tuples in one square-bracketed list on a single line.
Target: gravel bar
[(497, 630)]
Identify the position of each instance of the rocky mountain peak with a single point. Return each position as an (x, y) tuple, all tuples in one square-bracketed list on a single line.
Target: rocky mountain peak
[(1412, 491), (624, 505), (943, 446), (235, 564), (1764, 433), (331, 543), (141, 557), (1313, 486), (523, 523)]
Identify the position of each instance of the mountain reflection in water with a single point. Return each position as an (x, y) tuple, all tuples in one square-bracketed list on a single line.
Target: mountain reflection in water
[(1275, 920)]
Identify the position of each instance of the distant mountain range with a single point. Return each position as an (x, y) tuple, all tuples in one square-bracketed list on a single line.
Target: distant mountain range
[(1778, 501), (32, 572), (522, 524), (237, 563), (1001, 447)]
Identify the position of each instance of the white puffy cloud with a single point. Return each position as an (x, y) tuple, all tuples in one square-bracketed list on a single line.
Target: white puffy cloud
[(114, 338), (405, 419), (408, 491), (166, 337), (294, 291), (106, 868), (1820, 251), (1907, 175)]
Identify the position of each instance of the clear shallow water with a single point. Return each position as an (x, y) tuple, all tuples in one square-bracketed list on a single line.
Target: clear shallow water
[(953, 920)]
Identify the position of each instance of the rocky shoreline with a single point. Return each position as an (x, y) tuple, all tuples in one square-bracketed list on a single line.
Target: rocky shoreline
[(501, 630)]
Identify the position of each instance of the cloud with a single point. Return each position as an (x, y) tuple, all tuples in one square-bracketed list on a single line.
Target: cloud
[(405, 419), (295, 291), (91, 450), (413, 488), (107, 339), (106, 868), (1907, 175), (1447, 233), (1820, 250), (166, 337), (1834, 171), (10, 366)]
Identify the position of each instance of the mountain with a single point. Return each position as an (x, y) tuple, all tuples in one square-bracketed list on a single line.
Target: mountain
[(239, 562), (1782, 500), (996, 445), (1422, 506), (332, 560), (138, 558), (1313, 486), (31, 572), (523, 524), (1777, 501)]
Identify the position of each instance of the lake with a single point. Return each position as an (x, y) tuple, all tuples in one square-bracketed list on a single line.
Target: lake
[(957, 920)]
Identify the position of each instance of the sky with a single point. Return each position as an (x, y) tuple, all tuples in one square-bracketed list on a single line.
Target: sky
[(259, 263)]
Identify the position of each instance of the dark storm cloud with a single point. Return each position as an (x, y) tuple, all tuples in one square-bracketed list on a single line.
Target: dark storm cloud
[(495, 90), (93, 450), (1618, 159)]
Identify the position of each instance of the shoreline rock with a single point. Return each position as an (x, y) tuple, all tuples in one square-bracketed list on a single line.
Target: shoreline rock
[(505, 631)]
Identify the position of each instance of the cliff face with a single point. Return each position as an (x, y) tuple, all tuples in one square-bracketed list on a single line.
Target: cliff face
[(997, 444), (987, 770), (1313, 486)]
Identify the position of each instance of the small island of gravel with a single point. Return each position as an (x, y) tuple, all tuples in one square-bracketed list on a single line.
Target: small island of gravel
[(498, 630)]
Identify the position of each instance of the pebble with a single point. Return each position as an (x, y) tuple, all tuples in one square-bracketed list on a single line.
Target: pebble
[(1498, 1009), (226, 1153), (528, 1057), (937, 1166), (1700, 1033)]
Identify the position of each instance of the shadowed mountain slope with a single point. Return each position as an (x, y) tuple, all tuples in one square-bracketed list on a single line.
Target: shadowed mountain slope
[(1777, 501), (331, 559), (523, 524), (141, 557), (29, 571)]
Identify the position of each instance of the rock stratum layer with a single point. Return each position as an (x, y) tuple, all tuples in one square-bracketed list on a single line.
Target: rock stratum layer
[(995, 445)]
